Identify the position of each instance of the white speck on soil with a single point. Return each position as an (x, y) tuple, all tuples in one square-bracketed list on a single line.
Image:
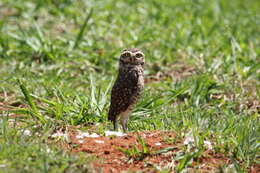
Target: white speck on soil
[(27, 133), (188, 140), (114, 133), (99, 141), (80, 141), (94, 135), (59, 134), (208, 145), (82, 135), (158, 144)]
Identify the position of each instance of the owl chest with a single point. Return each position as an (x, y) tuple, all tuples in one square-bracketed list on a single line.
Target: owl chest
[(132, 80), (137, 78)]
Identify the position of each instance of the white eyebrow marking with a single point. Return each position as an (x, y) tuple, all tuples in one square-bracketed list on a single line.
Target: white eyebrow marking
[(128, 52), (139, 52)]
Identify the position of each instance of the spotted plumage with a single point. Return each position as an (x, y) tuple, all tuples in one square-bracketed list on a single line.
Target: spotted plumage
[(128, 86)]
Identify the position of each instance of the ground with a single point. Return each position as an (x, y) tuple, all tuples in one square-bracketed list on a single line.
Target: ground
[(162, 154)]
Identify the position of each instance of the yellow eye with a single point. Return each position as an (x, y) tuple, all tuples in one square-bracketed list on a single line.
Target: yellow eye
[(125, 55), (138, 55)]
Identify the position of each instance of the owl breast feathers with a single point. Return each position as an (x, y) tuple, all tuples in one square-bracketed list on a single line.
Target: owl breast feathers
[(126, 91)]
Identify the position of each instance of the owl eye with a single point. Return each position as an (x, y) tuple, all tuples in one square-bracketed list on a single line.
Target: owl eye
[(126, 54), (138, 55)]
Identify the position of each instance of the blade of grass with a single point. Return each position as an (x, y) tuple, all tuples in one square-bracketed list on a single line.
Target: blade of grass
[(82, 29), (143, 144), (187, 158), (32, 105)]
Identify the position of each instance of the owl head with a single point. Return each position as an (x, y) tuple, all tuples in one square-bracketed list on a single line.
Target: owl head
[(132, 56)]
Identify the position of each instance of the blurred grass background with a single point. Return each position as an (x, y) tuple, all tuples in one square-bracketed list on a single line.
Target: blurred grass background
[(58, 58)]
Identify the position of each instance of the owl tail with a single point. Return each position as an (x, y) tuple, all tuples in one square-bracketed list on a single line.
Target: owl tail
[(111, 117)]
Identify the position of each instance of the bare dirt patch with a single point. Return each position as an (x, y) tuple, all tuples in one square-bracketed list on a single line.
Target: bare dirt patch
[(161, 153), (112, 159)]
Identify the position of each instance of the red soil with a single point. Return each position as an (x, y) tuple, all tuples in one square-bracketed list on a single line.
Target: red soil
[(111, 159)]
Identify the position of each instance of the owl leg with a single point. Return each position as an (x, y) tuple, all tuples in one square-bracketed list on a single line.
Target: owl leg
[(115, 125), (124, 124), (123, 120)]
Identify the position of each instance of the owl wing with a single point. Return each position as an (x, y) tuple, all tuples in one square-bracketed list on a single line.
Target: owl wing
[(122, 94)]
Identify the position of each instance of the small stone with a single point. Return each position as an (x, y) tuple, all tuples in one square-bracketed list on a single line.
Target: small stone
[(87, 150), (106, 152)]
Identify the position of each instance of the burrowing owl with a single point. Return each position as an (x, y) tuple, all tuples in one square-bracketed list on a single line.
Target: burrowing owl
[(128, 86)]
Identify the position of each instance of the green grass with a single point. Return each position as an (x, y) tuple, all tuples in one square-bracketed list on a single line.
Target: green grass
[(59, 58)]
